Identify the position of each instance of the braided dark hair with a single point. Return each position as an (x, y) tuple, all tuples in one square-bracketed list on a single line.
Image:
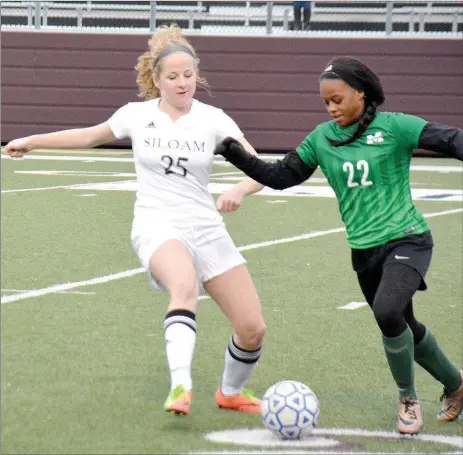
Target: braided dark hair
[(361, 78)]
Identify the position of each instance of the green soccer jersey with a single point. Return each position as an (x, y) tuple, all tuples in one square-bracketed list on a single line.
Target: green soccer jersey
[(370, 176)]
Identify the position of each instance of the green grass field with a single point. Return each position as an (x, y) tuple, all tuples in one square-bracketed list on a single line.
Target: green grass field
[(83, 362)]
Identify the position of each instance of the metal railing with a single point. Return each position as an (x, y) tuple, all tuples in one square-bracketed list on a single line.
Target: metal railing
[(196, 14)]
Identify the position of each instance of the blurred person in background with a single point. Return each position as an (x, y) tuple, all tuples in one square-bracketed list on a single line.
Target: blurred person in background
[(302, 13)]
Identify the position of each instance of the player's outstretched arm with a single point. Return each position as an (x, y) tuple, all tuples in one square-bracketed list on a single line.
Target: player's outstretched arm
[(444, 139), (66, 139), (232, 199), (289, 171)]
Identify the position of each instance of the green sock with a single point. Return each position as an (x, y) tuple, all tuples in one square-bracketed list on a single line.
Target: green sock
[(400, 354), (432, 358)]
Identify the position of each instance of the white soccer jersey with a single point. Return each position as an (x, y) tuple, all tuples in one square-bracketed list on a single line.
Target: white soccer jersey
[(173, 160)]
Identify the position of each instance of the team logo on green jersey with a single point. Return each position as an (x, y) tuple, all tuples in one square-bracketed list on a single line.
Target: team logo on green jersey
[(375, 138)]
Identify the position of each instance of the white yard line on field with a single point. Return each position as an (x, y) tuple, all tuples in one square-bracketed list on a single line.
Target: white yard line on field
[(74, 185), (71, 158), (215, 187), (66, 286), (445, 212), (267, 157), (127, 273), (115, 276), (20, 291), (20, 190)]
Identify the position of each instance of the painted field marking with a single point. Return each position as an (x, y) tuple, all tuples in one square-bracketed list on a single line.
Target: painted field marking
[(272, 452), (224, 174), (79, 173), (295, 191), (89, 159), (352, 305), (66, 286), (433, 194), (309, 452), (127, 273), (306, 190), (17, 291), (240, 178), (217, 160), (45, 188), (236, 176), (431, 168), (445, 212), (263, 437), (110, 152)]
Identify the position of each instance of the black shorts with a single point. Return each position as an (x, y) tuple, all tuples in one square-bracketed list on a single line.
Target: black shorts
[(413, 250)]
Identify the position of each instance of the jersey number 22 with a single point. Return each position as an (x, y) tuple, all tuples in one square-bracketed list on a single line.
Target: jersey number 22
[(362, 165)]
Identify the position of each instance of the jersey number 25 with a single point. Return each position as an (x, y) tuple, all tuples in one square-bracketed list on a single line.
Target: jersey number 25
[(175, 168)]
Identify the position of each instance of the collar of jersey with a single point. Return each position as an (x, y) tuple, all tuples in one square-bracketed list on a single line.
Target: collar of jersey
[(158, 100)]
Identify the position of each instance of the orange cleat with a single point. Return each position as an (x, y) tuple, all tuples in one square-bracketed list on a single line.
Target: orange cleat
[(245, 402)]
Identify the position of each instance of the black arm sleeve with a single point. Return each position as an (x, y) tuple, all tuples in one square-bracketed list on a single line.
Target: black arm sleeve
[(289, 171), (442, 139)]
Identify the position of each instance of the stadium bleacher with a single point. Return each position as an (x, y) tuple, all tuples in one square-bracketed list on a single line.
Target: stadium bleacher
[(231, 17)]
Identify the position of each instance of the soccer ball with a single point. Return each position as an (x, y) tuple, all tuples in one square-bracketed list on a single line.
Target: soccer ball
[(290, 410)]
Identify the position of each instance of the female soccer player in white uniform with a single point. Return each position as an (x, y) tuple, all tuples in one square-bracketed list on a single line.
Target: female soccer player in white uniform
[(177, 232)]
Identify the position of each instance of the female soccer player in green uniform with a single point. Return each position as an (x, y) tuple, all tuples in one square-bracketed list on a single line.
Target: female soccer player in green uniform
[(365, 155)]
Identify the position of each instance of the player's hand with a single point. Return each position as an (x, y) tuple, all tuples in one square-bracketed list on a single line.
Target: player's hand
[(230, 147), (18, 147), (230, 201)]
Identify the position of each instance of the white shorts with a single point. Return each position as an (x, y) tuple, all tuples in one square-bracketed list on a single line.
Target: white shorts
[(212, 249)]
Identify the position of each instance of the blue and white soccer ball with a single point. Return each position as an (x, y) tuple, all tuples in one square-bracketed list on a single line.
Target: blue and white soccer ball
[(290, 410)]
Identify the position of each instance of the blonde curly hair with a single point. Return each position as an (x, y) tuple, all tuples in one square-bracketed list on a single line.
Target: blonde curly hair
[(164, 36)]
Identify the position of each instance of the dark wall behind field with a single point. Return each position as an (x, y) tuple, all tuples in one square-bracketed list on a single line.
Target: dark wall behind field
[(269, 85)]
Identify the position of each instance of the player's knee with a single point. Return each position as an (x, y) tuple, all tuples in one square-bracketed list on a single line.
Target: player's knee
[(251, 336), (185, 294), (418, 329), (388, 318), (259, 334)]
